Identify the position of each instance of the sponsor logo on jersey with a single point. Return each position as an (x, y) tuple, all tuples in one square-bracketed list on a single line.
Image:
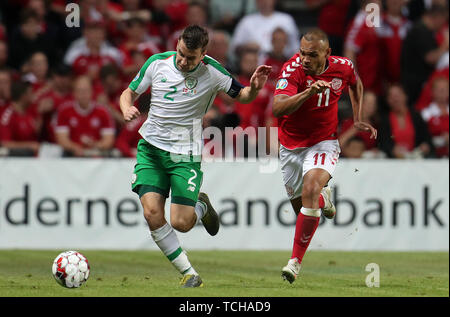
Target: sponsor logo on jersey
[(282, 84), (336, 83)]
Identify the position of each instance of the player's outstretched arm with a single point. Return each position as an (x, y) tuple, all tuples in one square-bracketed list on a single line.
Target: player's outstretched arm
[(284, 105), (356, 96), (257, 82), (127, 100)]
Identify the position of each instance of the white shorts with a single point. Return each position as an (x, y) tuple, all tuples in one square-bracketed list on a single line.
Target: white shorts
[(297, 162)]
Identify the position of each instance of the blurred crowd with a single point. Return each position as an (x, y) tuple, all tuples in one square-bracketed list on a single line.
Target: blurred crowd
[(60, 81)]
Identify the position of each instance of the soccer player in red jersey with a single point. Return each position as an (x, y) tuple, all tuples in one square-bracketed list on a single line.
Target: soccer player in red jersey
[(84, 127), (306, 104)]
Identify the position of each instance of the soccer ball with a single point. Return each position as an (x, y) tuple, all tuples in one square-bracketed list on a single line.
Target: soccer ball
[(71, 269)]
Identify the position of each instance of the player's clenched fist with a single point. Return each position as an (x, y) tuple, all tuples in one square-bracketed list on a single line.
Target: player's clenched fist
[(131, 113), (319, 86)]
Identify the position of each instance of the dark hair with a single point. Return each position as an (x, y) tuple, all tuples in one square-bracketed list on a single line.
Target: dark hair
[(18, 89), (195, 37), (62, 69)]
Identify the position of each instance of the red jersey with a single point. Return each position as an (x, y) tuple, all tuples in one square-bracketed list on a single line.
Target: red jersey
[(48, 118), (332, 17), (17, 126), (147, 49), (84, 64), (369, 143), (404, 134), (317, 119), (438, 126), (254, 113), (426, 95), (277, 65), (392, 33), (364, 41), (84, 125), (129, 137)]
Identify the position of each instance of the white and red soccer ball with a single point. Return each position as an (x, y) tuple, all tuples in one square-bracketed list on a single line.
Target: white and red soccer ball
[(71, 269)]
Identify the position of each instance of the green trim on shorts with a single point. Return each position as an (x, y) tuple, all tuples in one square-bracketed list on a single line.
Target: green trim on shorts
[(141, 190), (182, 201)]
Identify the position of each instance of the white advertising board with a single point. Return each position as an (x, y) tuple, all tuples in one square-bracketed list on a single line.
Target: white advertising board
[(88, 204)]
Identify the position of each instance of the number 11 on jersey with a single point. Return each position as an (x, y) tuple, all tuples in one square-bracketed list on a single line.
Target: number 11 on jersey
[(327, 98)]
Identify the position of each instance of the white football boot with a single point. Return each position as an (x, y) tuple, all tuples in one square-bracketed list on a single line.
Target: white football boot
[(291, 270), (329, 210)]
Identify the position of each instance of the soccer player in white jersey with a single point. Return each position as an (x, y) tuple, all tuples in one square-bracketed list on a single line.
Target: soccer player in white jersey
[(183, 87)]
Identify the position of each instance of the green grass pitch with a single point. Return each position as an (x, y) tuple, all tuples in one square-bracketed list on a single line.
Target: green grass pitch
[(229, 274)]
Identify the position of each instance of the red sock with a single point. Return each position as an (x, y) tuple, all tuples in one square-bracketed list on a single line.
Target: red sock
[(304, 231), (321, 201)]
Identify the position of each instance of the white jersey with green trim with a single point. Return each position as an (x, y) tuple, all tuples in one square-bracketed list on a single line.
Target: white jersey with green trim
[(179, 101)]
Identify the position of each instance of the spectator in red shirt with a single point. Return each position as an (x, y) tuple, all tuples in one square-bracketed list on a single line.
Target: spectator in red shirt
[(421, 52), (197, 13), (84, 127), (137, 40), (129, 137), (19, 130), (362, 45), (112, 88), (276, 57), (88, 54), (403, 133), (218, 48), (436, 115), (332, 20), (167, 16), (348, 132), (426, 95), (48, 100), (36, 71), (254, 113), (393, 30)]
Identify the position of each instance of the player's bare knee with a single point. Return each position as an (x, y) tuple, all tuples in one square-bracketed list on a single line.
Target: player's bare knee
[(151, 214), (181, 224), (311, 190)]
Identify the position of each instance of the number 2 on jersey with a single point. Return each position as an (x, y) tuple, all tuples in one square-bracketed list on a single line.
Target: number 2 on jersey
[(327, 98), (174, 90)]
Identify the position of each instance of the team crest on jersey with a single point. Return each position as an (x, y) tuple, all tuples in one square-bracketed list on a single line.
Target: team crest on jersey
[(336, 83), (190, 82), (95, 122), (282, 84)]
